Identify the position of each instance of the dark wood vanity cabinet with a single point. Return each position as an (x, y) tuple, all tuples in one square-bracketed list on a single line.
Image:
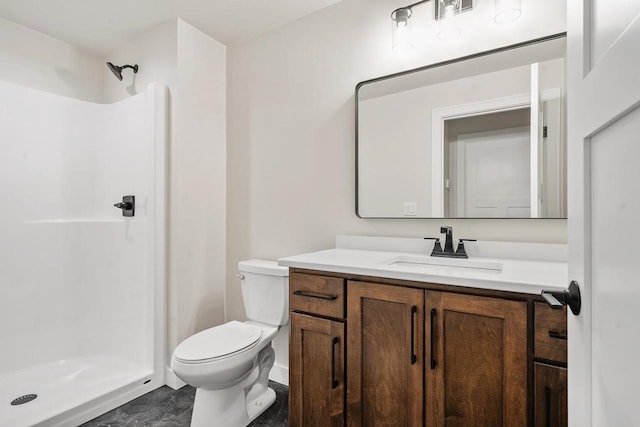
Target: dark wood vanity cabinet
[(476, 364), (421, 355), (385, 355)]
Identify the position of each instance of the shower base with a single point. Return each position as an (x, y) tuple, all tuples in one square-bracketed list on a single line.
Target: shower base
[(70, 391)]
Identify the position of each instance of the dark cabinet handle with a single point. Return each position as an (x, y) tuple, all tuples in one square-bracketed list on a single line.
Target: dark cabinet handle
[(334, 381), (414, 358), (433, 338), (557, 335), (547, 407), (318, 296)]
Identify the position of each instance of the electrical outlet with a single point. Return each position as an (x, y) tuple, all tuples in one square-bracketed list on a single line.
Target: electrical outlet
[(410, 208)]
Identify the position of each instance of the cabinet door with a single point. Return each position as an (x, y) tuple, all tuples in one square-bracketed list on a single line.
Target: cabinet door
[(550, 396), (316, 376), (384, 355), (476, 361)]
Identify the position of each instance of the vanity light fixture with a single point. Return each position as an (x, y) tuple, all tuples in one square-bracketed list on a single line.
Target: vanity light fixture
[(446, 12)]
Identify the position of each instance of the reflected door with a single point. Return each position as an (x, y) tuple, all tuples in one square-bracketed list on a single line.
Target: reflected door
[(492, 174)]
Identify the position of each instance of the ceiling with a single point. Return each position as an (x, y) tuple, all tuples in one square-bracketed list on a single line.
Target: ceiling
[(104, 25)]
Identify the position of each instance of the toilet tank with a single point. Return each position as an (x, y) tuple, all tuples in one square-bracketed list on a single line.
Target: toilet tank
[(265, 291)]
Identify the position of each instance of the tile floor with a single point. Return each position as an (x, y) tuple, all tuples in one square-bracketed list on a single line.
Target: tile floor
[(165, 407)]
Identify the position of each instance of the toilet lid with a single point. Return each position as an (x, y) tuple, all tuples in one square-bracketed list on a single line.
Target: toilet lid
[(217, 342)]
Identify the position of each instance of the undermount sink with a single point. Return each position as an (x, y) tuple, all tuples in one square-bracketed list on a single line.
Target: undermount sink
[(428, 264)]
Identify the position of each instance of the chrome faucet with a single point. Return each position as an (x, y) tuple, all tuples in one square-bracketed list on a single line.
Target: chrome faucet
[(448, 250)]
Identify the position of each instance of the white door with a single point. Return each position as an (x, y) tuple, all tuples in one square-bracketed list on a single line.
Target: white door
[(492, 174), (604, 211)]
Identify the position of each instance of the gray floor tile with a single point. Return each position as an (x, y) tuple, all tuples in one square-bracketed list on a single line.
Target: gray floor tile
[(165, 407)]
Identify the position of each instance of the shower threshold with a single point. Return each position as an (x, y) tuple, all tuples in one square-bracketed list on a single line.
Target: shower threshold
[(70, 391)]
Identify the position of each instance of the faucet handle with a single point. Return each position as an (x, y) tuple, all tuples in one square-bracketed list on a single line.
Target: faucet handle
[(437, 247), (461, 249)]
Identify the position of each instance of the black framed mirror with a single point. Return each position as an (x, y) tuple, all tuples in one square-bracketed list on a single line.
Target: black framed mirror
[(482, 136)]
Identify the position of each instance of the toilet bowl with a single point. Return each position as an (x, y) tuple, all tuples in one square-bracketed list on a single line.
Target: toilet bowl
[(229, 364)]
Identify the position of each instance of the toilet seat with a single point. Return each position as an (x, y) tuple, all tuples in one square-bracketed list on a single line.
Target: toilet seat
[(218, 343)]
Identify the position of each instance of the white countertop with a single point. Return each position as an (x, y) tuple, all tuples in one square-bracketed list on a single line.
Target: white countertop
[(517, 275)]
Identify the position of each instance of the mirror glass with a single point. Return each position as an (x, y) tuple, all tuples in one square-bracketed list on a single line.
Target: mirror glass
[(478, 137)]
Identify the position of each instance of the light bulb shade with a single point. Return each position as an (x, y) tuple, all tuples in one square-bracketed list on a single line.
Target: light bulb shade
[(507, 11), (448, 12), (401, 30)]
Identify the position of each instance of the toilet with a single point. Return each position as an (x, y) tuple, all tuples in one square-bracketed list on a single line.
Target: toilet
[(229, 364)]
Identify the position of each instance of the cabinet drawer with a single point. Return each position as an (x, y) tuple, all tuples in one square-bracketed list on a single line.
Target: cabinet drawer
[(319, 295), (550, 333)]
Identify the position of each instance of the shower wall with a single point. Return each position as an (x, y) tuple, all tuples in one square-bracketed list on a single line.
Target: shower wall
[(76, 278)]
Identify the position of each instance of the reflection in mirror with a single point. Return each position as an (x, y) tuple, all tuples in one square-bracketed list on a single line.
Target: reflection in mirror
[(482, 137)]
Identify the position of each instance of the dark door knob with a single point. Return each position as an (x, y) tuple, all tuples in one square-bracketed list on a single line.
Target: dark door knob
[(569, 296), (128, 205)]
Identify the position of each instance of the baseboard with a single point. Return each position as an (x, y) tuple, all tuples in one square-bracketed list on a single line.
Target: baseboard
[(280, 374), (172, 380)]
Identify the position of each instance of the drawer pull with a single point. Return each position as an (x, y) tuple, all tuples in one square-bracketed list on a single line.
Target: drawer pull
[(557, 335), (334, 381), (433, 338), (547, 406), (414, 358), (318, 296)]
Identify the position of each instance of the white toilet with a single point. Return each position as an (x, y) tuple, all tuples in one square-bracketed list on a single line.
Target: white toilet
[(229, 364)]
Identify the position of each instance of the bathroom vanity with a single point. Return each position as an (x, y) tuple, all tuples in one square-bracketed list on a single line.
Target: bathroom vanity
[(382, 337)]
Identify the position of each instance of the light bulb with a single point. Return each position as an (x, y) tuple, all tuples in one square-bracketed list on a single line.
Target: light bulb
[(449, 5)]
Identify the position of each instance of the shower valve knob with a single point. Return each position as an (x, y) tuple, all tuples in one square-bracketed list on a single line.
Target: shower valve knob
[(128, 205)]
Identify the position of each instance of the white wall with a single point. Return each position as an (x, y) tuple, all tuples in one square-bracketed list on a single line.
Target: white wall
[(193, 66), (199, 184), (36, 60), (291, 130)]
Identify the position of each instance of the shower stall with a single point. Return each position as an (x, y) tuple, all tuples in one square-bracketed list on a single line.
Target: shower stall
[(82, 287)]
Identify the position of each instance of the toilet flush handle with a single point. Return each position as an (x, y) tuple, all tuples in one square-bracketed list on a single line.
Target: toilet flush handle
[(240, 276)]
